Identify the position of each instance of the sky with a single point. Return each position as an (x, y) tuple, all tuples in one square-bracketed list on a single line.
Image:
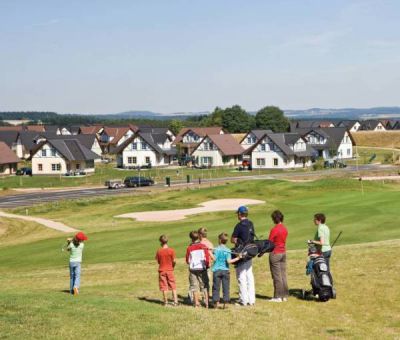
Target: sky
[(169, 56)]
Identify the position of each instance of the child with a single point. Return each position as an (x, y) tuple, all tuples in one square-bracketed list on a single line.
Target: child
[(166, 259), (220, 269), (204, 240), (198, 259), (75, 247)]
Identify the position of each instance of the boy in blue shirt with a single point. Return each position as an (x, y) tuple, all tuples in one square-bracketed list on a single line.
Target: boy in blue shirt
[(220, 269)]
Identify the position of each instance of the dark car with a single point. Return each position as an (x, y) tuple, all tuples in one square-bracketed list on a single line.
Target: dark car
[(24, 171), (137, 181)]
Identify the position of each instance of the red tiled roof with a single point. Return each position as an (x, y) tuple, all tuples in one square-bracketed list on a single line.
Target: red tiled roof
[(11, 128), (89, 130), (36, 128), (7, 156), (227, 144)]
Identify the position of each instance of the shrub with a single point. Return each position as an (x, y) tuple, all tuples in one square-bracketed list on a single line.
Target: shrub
[(388, 158), (319, 164)]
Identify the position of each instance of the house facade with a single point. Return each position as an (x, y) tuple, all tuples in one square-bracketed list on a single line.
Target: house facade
[(331, 143), (280, 151), (141, 150), (59, 156), (218, 150), (8, 160)]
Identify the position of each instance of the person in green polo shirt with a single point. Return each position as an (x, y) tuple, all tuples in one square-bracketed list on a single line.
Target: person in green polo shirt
[(322, 237)]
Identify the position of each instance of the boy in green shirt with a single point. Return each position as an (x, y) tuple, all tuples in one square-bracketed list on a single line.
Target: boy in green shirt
[(322, 237)]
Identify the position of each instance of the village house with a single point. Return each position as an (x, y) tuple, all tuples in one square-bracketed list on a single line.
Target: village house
[(252, 137), (13, 141), (8, 160), (350, 125), (111, 137), (188, 138), (61, 156), (330, 143), (308, 124), (280, 151), (145, 149), (218, 150), (372, 125)]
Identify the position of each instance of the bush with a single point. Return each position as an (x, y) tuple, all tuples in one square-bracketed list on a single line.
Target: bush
[(388, 158), (319, 164)]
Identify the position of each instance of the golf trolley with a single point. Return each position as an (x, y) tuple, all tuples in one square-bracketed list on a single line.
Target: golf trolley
[(321, 277)]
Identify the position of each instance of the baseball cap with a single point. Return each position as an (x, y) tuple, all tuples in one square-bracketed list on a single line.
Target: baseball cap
[(81, 236), (242, 210)]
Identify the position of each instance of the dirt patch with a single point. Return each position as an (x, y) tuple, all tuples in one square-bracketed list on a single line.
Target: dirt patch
[(176, 215)]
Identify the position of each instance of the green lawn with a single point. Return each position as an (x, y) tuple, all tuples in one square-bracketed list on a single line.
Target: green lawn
[(383, 156), (119, 284), (109, 171)]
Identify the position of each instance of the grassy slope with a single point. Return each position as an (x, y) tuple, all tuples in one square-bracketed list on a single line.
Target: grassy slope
[(120, 294), (109, 171), (385, 139)]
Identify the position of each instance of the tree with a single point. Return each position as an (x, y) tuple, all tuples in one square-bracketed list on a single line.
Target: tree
[(272, 117), (235, 119), (175, 126)]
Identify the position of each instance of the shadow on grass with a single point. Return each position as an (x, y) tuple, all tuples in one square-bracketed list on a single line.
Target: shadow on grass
[(301, 294), (66, 291), (263, 297)]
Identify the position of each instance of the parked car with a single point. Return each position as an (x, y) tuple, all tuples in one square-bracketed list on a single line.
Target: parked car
[(114, 184), (137, 181), (24, 171)]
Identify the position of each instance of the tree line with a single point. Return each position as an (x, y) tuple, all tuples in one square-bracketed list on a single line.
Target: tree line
[(232, 119)]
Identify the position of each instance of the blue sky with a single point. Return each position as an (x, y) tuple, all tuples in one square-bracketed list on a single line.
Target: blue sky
[(171, 56)]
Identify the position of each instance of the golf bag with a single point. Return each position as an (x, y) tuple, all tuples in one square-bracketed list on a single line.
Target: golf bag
[(321, 279), (250, 250)]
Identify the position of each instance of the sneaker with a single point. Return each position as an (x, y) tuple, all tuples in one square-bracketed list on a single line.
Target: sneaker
[(275, 300), (239, 304), (76, 291)]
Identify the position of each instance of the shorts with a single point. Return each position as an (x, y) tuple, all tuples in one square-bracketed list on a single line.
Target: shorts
[(166, 281), (198, 280)]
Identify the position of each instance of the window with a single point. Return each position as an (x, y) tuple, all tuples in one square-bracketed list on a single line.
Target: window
[(40, 167), (53, 152), (43, 152), (144, 146), (147, 160), (248, 140), (262, 147), (131, 160), (276, 161), (348, 152), (134, 146), (205, 146), (226, 159), (260, 161), (78, 166), (90, 164), (56, 167), (211, 146)]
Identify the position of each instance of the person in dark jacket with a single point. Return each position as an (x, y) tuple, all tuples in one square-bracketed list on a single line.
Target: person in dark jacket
[(244, 234)]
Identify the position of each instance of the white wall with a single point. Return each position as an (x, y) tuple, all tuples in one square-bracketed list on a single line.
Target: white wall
[(345, 150), (207, 149), (249, 140), (50, 159), (141, 154)]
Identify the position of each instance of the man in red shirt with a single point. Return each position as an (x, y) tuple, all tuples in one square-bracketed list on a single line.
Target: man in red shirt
[(166, 262), (277, 259)]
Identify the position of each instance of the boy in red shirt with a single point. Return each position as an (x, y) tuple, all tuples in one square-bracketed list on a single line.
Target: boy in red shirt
[(166, 259), (198, 259)]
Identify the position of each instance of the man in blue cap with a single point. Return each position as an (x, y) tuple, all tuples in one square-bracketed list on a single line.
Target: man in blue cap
[(244, 234)]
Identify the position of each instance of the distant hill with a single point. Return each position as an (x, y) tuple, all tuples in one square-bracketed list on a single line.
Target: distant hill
[(152, 115), (346, 113)]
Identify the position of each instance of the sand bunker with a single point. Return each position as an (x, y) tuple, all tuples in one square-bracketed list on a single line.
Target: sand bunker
[(175, 215)]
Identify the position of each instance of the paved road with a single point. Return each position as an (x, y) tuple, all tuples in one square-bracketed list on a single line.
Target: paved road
[(33, 198)]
